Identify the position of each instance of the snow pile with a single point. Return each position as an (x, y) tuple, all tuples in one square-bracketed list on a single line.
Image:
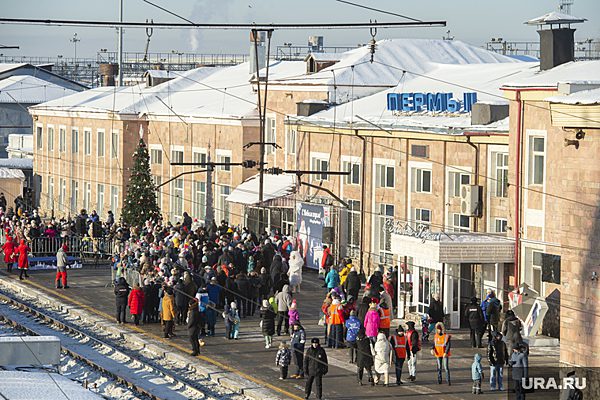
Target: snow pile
[(583, 97)]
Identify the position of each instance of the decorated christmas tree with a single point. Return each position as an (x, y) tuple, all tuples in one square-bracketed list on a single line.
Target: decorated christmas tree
[(140, 202)]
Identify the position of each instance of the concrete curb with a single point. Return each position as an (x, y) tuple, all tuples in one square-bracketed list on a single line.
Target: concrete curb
[(227, 379)]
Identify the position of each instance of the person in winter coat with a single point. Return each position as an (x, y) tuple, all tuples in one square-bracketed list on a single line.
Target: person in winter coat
[(332, 280), (398, 343), (265, 283), (243, 294), (353, 325), (511, 329), (121, 296), (168, 312), (498, 357), (476, 372), (413, 346), (519, 361), (440, 349), (267, 322), (283, 359), (344, 271), (255, 288), (363, 309), (376, 280), (232, 321), (22, 251), (298, 340), (276, 269), (476, 320), (293, 315), (382, 356), (193, 326), (8, 248), (181, 302), (364, 357), (352, 283), (315, 367), (326, 259), (493, 310), (436, 309), (136, 303), (61, 267), (335, 324), (295, 271), (284, 301), (371, 323)]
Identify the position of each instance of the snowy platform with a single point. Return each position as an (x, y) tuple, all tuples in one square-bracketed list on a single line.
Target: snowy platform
[(17, 385)]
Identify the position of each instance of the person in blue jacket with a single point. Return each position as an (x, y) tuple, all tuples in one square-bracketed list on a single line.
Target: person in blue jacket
[(332, 280), (352, 327)]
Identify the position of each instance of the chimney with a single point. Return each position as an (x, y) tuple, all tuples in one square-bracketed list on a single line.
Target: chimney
[(309, 107), (557, 42), (107, 72), (260, 51)]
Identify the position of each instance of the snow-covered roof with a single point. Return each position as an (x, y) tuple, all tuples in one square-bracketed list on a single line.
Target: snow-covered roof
[(555, 17), (159, 73), (275, 186), (580, 72), (18, 385), (7, 173), (324, 56), (4, 67), (583, 97), (27, 89), (484, 79), (392, 56), (16, 163)]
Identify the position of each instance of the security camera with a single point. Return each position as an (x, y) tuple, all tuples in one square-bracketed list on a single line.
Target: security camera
[(569, 142), (580, 134)]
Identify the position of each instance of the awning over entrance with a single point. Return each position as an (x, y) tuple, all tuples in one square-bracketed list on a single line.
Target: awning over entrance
[(274, 187), (455, 248)]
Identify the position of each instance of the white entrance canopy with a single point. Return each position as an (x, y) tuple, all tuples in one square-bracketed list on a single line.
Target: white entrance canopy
[(274, 187), (453, 248)]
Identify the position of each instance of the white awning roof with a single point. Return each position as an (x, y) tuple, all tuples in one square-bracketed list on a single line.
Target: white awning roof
[(275, 186)]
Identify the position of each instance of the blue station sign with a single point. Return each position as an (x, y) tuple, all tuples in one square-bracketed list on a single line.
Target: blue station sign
[(436, 102)]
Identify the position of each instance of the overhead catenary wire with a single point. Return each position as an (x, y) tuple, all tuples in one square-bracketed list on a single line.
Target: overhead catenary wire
[(378, 10)]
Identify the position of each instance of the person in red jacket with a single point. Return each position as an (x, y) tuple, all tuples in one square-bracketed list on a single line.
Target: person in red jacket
[(136, 303), (8, 249), (23, 261)]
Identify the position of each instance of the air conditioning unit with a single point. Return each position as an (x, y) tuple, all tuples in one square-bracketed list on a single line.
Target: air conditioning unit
[(470, 199)]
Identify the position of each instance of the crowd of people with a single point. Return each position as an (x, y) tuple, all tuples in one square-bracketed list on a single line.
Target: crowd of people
[(192, 276)]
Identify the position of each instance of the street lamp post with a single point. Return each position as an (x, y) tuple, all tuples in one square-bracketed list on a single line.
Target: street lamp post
[(74, 40)]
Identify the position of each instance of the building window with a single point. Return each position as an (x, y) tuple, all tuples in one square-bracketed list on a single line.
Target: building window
[(429, 283), (500, 225), (501, 161), (100, 200), (50, 199), (319, 164), (421, 216), (114, 199), (87, 196), (39, 134), (421, 180), (87, 142), (62, 140), (176, 156), (226, 160), (421, 151), (114, 147), (100, 144), (353, 228), (75, 140), (384, 234), (354, 169), (50, 138), (384, 176), (157, 182), (155, 156), (290, 141), (455, 181), (536, 160), (177, 198), (74, 195), (536, 273), (199, 193), (199, 157), (270, 135), (223, 204), (461, 223), (62, 194)]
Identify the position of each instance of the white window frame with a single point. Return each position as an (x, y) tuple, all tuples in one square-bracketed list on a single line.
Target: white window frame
[(533, 155), (74, 140), (199, 199), (498, 223), (87, 141), (177, 154), (62, 139), (199, 155), (454, 184), (50, 133), (74, 195), (177, 197), (100, 199), (290, 140), (62, 193), (382, 169), (87, 196), (354, 211), (114, 144), (223, 204), (224, 158), (383, 233), (114, 199), (270, 134), (39, 136), (457, 219), (100, 144), (157, 179), (50, 199), (535, 267), (500, 174), (418, 179), (156, 154), (421, 216), (352, 164)]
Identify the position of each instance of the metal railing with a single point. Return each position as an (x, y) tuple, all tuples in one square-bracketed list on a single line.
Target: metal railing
[(132, 276), (77, 246)]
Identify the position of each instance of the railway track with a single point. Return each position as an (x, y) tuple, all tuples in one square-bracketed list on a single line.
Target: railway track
[(151, 375)]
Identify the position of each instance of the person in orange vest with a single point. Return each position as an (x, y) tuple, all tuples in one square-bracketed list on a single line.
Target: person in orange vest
[(441, 351), (336, 325), (385, 318), (398, 342)]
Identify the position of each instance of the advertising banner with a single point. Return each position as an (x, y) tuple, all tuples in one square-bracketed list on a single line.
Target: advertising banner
[(309, 225)]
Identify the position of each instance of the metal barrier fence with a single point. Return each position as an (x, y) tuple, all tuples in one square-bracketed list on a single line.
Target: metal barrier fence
[(84, 247), (132, 276)]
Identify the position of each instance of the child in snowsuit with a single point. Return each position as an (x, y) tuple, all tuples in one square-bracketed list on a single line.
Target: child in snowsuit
[(232, 321), (476, 374), (283, 358)]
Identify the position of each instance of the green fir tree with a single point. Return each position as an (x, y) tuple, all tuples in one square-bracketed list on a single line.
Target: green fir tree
[(140, 203)]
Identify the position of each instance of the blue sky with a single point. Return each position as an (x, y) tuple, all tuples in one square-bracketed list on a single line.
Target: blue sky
[(471, 21)]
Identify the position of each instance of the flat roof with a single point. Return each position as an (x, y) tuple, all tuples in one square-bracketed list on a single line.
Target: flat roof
[(18, 385)]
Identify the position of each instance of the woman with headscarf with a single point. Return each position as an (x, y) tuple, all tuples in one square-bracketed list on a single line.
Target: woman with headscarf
[(295, 271), (382, 355)]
